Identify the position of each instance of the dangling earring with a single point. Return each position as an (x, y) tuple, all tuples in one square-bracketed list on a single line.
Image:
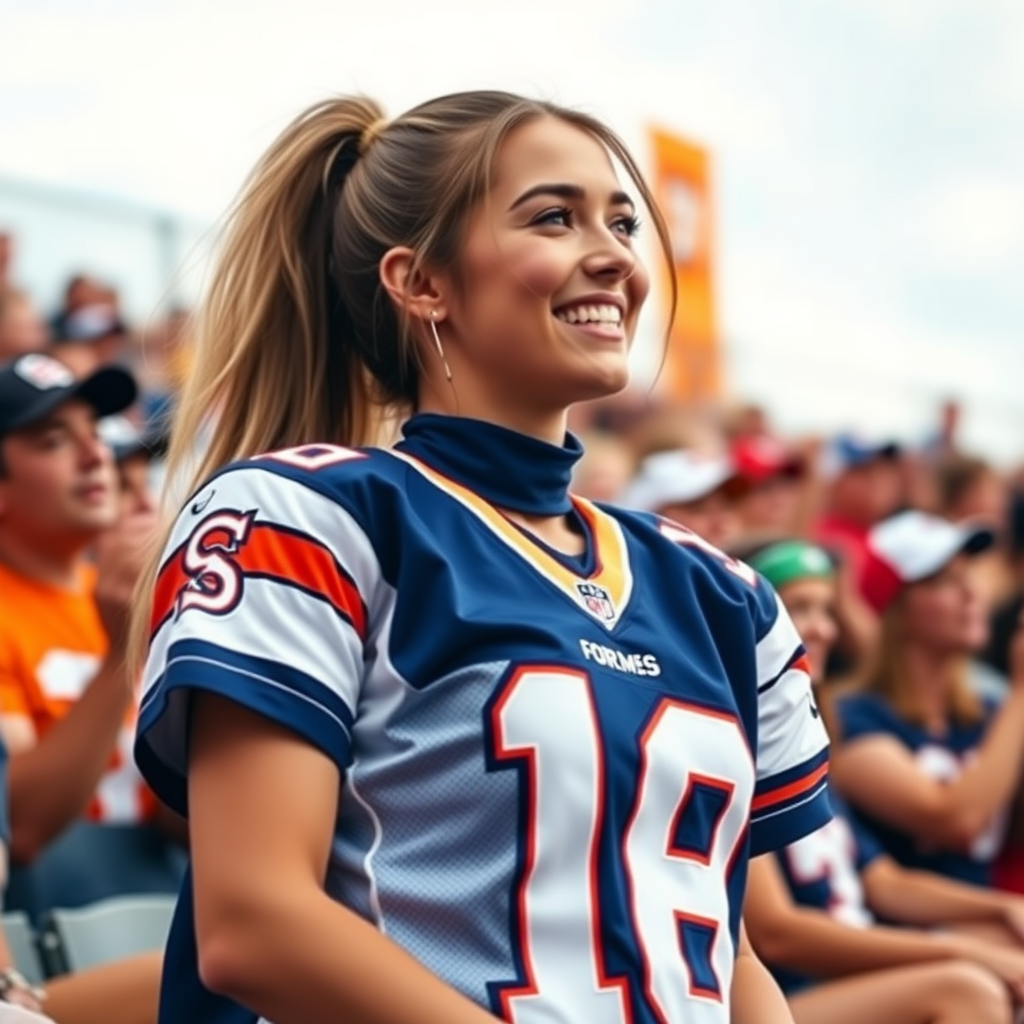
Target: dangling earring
[(437, 343)]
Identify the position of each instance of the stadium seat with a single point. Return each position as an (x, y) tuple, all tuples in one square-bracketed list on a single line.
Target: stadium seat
[(109, 930), (22, 941)]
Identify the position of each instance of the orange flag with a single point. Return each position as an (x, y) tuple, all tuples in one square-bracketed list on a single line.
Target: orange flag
[(680, 179)]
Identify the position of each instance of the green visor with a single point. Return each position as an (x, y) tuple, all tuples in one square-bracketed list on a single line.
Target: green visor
[(791, 560)]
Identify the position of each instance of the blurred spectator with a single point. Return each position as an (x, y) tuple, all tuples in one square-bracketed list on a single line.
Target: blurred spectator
[(22, 329), (90, 337), (773, 474), (605, 468), (134, 453), (928, 762), (811, 908), (1006, 616), (863, 487), (970, 489), (79, 811), (699, 491), (119, 992), (746, 419), (161, 363), (6, 260)]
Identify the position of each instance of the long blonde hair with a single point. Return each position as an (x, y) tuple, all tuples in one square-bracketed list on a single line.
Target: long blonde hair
[(296, 341), (889, 677)]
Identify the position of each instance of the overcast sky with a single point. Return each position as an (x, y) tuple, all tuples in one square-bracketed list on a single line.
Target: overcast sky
[(869, 154)]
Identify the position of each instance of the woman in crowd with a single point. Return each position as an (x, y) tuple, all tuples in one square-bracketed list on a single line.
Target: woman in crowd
[(812, 908), (931, 765), (431, 717)]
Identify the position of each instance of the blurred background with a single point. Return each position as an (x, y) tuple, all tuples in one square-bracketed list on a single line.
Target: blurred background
[(845, 180)]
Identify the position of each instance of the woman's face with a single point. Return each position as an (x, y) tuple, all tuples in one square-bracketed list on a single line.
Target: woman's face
[(946, 613), (811, 606), (549, 286), (712, 517)]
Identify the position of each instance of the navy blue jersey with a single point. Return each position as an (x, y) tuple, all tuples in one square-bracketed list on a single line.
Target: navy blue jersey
[(566, 760), (942, 758), (823, 871)]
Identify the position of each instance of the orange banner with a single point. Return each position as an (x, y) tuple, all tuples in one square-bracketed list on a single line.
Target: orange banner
[(681, 183)]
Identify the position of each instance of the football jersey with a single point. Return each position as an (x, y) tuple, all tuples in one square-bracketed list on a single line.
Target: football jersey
[(52, 643), (823, 869), (565, 760), (941, 758)]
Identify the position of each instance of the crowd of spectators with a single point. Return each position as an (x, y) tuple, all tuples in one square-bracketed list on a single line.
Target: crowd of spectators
[(916, 554)]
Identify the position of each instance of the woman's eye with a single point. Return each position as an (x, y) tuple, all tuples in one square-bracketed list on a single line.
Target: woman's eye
[(560, 216), (628, 226)]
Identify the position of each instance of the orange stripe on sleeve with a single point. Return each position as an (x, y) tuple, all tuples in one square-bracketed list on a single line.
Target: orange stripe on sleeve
[(783, 793), (301, 561), (269, 552)]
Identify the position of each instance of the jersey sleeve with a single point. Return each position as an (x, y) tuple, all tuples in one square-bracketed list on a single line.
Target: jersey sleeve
[(261, 598), (790, 797)]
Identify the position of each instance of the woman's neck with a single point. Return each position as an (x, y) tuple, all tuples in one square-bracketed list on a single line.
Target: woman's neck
[(544, 425), (928, 674)]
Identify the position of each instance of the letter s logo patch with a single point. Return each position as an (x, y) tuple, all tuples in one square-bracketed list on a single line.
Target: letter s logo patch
[(215, 578)]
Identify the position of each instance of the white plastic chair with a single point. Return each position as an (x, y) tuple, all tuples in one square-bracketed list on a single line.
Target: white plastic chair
[(111, 929), (21, 938)]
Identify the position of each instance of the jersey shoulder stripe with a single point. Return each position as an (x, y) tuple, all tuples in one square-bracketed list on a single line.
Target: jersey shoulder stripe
[(270, 551), (785, 787)]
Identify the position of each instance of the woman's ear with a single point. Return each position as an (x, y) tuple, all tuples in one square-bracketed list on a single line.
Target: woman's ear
[(416, 290)]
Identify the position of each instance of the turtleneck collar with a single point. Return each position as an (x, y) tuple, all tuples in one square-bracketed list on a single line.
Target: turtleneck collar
[(510, 470)]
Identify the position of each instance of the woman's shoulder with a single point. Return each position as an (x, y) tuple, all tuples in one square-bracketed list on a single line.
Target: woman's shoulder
[(862, 712), (308, 474)]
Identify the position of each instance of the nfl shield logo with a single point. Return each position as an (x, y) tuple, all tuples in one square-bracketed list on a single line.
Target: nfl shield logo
[(596, 601)]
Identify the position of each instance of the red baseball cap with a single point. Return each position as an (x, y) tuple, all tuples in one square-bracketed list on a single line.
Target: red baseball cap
[(911, 546), (761, 458)]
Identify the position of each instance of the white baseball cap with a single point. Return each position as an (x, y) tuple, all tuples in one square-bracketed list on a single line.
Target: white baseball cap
[(911, 546), (679, 477)]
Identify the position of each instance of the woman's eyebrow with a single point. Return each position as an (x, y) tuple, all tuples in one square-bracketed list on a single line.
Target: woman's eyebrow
[(566, 191)]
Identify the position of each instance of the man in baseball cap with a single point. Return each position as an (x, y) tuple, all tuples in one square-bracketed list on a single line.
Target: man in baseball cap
[(774, 476), (136, 453), (864, 482), (694, 489), (34, 386), (913, 546), (69, 563)]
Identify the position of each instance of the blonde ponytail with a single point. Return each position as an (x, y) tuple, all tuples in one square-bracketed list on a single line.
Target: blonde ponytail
[(272, 364)]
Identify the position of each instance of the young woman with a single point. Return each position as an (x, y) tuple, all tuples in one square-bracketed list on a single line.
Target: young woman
[(453, 744), (929, 764), (811, 908)]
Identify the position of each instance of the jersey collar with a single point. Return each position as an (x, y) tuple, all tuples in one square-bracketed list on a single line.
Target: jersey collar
[(507, 469)]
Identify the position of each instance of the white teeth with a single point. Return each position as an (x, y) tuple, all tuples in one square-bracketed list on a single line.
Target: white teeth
[(604, 314)]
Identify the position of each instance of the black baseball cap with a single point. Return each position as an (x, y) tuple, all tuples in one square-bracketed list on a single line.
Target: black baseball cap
[(33, 385)]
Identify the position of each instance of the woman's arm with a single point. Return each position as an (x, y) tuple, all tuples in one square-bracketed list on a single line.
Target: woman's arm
[(881, 777), (808, 941), (755, 998), (261, 812), (925, 899)]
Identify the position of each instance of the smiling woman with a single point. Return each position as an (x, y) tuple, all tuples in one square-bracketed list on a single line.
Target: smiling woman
[(414, 789)]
